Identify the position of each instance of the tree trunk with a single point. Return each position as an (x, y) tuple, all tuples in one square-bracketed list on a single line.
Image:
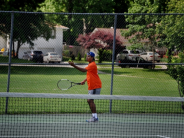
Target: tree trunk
[(13, 50), (84, 26), (153, 49), (18, 47), (100, 52)]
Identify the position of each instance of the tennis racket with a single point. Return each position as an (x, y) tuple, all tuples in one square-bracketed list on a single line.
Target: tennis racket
[(65, 84)]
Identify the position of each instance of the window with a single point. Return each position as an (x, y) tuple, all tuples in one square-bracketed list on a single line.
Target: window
[(143, 53), (38, 52), (134, 52), (125, 52), (53, 53)]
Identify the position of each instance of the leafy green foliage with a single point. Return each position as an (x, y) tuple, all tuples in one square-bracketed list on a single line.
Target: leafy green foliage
[(100, 53), (104, 55), (18, 5), (142, 27), (81, 24), (171, 34), (171, 28), (177, 72), (74, 6), (79, 57), (27, 28), (72, 56), (85, 55)]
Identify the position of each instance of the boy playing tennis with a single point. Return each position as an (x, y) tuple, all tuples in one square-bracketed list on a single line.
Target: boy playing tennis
[(93, 80)]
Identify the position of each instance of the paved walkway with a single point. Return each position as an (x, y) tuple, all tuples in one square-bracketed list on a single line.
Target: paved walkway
[(65, 64)]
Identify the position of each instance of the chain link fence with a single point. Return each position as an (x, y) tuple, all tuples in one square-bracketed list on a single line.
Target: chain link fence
[(36, 47)]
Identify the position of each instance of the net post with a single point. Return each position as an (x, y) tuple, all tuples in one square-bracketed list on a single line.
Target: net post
[(112, 71), (9, 66)]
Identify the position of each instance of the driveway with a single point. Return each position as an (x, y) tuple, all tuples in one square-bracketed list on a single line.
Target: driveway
[(65, 64)]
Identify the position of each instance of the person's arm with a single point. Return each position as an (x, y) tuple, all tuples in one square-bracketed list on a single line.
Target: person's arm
[(79, 68)]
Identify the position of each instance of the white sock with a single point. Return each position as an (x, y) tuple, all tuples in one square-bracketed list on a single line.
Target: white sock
[(94, 115)]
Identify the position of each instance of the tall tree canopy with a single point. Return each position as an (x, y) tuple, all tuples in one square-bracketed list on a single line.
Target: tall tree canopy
[(26, 28), (171, 28), (141, 26), (78, 6), (87, 24), (121, 6), (20, 5)]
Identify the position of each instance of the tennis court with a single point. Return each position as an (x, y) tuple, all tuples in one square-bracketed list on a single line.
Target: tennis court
[(69, 120), (109, 125)]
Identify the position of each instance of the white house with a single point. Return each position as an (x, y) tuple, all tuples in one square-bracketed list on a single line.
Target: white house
[(3, 43), (52, 45)]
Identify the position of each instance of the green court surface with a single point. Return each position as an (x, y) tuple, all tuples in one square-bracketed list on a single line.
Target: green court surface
[(109, 125)]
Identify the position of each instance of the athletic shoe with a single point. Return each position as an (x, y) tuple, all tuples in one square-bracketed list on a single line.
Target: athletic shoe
[(93, 119)]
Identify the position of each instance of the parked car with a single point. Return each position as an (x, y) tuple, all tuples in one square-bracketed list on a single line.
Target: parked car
[(33, 55), (52, 57), (25, 56), (148, 56), (134, 61), (127, 54)]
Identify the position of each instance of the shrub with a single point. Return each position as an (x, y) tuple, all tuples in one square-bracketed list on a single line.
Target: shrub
[(66, 53), (104, 55), (107, 55), (85, 57), (79, 57), (72, 57)]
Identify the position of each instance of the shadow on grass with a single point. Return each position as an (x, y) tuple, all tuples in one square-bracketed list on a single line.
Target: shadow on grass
[(132, 71), (105, 71)]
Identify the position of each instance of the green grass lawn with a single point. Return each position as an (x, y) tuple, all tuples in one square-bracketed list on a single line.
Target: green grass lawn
[(5, 59), (135, 82), (140, 82), (58, 106)]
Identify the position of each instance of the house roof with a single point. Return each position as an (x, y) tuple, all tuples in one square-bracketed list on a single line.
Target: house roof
[(62, 27), (118, 34)]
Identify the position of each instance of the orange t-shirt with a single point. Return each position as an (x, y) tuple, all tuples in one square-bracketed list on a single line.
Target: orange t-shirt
[(93, 79)]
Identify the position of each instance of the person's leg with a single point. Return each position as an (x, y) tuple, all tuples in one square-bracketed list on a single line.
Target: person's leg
[(92, 105), (93, 110)]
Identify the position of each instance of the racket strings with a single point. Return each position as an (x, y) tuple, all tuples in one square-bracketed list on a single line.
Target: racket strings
[(64, 84)]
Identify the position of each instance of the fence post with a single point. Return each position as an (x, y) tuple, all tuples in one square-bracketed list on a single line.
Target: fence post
[(9, 63), (113, 54)]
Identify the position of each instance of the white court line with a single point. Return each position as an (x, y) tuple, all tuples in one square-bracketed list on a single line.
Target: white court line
[(162, 136), (84, 122), (8, 123), (88, 136)]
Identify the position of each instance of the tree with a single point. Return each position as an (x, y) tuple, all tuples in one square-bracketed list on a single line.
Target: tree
[(143, 27), (171, 27), (171, 32), (29, 28), (101, 41), (176, 72), (26, 28), (80, 24), (121, 6), (19, 5)]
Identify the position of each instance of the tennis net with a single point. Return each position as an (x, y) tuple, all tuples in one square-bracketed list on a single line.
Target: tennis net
[(64, 115)]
